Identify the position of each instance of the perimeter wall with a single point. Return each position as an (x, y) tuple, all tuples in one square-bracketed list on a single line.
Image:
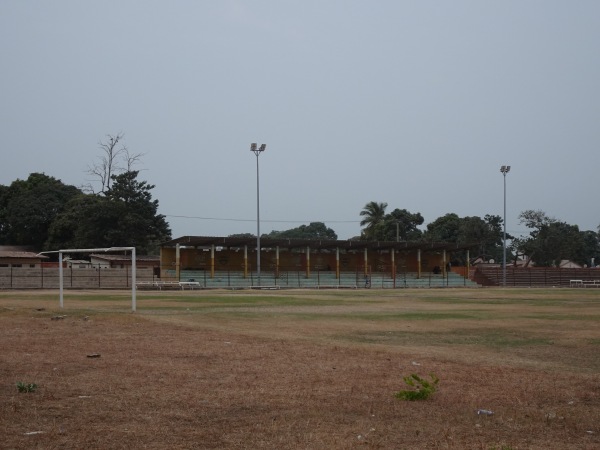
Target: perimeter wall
[(48, 278)]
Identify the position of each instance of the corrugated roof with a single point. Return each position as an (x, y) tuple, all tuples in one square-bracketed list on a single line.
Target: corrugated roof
[(108, 257), (234, 242), (21, 255)]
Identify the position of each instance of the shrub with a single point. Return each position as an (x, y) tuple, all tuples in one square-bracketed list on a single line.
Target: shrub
[(26, 387), (422, 388)]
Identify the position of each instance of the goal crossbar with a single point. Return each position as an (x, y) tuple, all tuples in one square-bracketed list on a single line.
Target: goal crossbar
[(90, 250)]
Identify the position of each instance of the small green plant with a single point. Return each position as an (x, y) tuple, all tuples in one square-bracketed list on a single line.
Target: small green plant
[(26, 387), (422, 388)]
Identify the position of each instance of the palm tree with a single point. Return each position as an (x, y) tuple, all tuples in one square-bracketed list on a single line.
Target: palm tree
[(374, 214)]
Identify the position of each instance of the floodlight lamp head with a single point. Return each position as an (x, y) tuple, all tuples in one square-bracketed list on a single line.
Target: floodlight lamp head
[(264, 146), (505, 169), (253, 147)]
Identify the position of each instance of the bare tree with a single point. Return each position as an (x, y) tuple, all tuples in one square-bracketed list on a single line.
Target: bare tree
[(131, 159), (110, 160)]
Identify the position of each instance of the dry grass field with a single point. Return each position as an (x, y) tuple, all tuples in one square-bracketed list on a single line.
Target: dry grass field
[(300, 369)]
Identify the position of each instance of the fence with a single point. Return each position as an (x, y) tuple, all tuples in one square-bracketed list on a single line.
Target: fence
[(120, 278), (536, 276), (320, 279), (48, 278)]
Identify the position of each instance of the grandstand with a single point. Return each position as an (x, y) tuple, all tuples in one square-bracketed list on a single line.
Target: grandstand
[(207, 262)]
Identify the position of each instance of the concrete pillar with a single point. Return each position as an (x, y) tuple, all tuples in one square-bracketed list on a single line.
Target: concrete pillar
[(160, 263), (212, 261), (245, 261), (468, 264), (307, 262), (337, 263), (444, 271), (177, 261), (418, 263)]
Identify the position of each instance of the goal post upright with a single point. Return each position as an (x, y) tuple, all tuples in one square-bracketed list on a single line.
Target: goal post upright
[(61, 301), (89, 250), (133, 279)]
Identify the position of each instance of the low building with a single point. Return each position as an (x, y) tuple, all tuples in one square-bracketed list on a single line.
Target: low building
[(121, 261), (77, 263), (11, 256)]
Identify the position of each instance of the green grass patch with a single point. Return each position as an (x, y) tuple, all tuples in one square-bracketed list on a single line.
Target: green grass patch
[(497, 339), (245, 301), (530, 297), (488, 338), (421, 315), (542, 316)]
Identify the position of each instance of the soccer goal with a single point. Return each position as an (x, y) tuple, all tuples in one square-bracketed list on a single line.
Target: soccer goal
[(90, 250)]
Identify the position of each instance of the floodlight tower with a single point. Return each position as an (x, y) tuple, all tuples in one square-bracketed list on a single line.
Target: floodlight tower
[(254, 148), (504, 170)]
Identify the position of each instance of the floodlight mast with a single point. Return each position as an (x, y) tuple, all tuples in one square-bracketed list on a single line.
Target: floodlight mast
[(504, 170), (257, 151)]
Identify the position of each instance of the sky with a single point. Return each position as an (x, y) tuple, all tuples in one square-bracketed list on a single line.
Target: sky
[(414, 103)]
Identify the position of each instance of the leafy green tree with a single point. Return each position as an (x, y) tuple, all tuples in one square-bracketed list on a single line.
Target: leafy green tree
[(29, 207), (402, 225), (535, 219), (483, 235), (444, 229), (125, 216), (4, 225), (558, 241), (138, 222), (314, 230), (527, 246), (486, 234), (591, 248), (373, 220), (550, 240), (87, 221)]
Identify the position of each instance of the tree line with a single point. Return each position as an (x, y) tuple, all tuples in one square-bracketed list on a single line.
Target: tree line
[(549, 242), (45, 214), (486, 234)]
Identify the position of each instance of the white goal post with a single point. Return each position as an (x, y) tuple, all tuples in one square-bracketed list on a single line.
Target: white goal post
[(90, 250)]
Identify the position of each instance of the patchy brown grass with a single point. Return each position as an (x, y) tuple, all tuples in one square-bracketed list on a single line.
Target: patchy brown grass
[(301, 369)]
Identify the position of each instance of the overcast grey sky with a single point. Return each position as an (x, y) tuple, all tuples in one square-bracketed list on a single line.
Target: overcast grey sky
[(413, 103)]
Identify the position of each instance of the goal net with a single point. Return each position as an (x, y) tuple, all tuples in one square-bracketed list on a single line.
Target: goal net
[(94, 250)]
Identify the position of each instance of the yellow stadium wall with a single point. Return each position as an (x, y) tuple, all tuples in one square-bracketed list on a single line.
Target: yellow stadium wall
[(233, 260)]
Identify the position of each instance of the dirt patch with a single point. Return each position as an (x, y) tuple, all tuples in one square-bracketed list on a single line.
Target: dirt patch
[(182, 374)]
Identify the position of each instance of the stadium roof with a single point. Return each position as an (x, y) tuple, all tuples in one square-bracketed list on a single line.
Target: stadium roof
[(319, 244)]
